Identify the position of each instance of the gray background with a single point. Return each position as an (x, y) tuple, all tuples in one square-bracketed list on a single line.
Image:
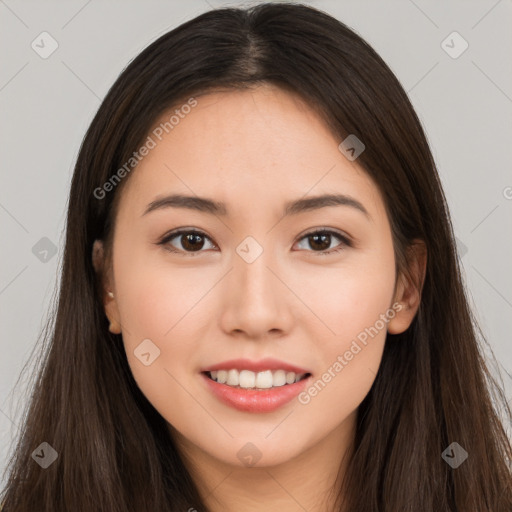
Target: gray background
[(465, 105)]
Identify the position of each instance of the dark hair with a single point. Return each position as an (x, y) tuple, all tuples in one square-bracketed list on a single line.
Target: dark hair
[(432, 388)]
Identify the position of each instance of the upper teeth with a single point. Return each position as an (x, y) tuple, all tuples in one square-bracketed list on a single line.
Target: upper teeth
[(248, 379)]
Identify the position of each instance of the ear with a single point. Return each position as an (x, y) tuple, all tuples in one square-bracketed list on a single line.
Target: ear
[(103, 272), (409, 287)]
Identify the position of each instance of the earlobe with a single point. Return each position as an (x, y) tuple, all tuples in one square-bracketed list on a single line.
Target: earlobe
[(112, 313), (409, 289), (115, 326)]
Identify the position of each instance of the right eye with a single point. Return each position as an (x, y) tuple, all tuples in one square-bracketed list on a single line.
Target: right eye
[(190, 240)]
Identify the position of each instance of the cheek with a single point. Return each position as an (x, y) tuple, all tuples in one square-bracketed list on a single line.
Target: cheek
[(354, 304), (165, 306), (157, 296), (350, 298), (165, 311)]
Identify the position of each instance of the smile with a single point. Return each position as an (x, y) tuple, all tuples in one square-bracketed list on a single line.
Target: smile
[(247, 391)]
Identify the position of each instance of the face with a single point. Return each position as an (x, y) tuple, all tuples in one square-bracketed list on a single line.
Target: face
[(310, 287)]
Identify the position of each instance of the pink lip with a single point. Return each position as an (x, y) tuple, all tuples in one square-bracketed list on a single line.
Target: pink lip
[(252, 400), (255, 366)]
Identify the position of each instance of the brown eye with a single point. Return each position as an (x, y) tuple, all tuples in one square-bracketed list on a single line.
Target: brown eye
[(186, 241), (192, 242), (320, 241)]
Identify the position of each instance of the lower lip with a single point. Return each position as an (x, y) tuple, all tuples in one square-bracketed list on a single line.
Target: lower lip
[(251, 400)]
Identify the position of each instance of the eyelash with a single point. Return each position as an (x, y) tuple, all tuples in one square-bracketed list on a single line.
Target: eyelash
[(345, 241)]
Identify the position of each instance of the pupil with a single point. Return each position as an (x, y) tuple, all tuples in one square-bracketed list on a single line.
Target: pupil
[(325, 240)]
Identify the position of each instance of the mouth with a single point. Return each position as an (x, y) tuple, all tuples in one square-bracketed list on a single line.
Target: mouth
[(261, 392)]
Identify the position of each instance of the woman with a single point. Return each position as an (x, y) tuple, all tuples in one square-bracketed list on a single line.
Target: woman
[(261, 305)]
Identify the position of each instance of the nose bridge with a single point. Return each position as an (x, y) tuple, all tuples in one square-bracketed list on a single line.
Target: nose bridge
[(253, 279), (256, 301)]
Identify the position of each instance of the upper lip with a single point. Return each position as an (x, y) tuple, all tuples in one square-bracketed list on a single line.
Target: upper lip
[(256, 366)]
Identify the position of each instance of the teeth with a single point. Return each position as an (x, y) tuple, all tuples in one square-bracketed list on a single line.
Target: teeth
[(233, 378), (261, 380)]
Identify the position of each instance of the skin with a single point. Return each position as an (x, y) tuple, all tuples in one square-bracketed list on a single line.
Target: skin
[(254, 150)]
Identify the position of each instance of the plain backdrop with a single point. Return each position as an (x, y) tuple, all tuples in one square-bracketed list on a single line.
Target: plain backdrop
[(463, 98)]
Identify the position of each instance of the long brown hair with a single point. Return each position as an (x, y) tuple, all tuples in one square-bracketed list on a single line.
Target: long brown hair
[(433, 387)]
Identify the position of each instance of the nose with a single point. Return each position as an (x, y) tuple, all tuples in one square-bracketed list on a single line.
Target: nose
[(256, 302)]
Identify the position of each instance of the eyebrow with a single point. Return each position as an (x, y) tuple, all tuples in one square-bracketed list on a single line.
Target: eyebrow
[(205, 205)]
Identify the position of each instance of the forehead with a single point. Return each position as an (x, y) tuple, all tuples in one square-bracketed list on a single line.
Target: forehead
[(242, 145)]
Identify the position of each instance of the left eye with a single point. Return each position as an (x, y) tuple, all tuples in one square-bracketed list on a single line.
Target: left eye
[(192, 241), (323, 239)]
